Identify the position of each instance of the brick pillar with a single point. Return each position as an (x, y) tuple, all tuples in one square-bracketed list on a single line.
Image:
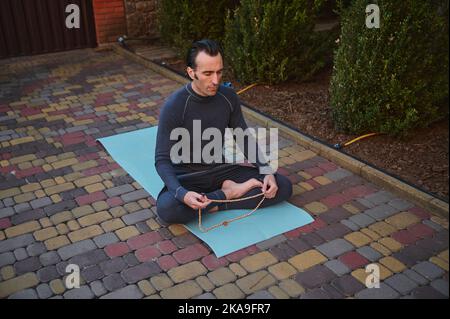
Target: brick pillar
[(109, 20)]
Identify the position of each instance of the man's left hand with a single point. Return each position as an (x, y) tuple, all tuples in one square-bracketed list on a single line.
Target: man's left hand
[(270, 186)]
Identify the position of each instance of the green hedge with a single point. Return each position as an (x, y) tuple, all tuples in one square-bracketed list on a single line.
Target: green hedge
[(182, 22), (394, 78), (273, 40)]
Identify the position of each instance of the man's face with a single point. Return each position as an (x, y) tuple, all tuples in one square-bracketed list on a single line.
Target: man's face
[(207, 74)]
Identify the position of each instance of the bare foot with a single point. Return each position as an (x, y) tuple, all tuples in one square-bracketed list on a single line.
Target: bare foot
[(234, 190)]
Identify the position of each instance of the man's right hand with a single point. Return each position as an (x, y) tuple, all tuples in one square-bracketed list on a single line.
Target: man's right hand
[(196, 200)]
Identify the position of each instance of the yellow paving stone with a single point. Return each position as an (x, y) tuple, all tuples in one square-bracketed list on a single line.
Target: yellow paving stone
[(258, 261), (56, 242), (161, 282), (444, 255), (88, 180), (59, 180), (439, 220), (307, 259), (51, 159), (127, 232), (316, 208), (39, 193), (205, 283), (47, 167), (255, 282), (7, 272), (57, 286), (303, 155), (108, 184), (45, 222), (85, 233), (24, 166), (136, 185), (391, 244), (373, 235), (61, 217), (10, 192), (22, 198), (118, 211), (278, 293), (21, 159), (83, 122), (73, 225), (82, 211), (100, 206), (392, 264), (21, 140), (4, 163), (322, 180), (56, 198), (84, 165), (59, 188), (112, 225), (306, 186), (282, 270), (46, 233), (292, 288), (38, 163), (152, 224), (352, 209), (177, 229), (297, 190), (5, 144), (383, 228), (380, 248), (72, 177), (144, 203), (132, 207), (439, 262), (402, 220), (64, 163), (19, 283), (287, 160), (304, 175), (94, 188), (146, 287), (62, 229), (2, 235), (96, 218), (358, 239), (187, 272), (30, 187), (238, 270), (186, 290), (21, 229)]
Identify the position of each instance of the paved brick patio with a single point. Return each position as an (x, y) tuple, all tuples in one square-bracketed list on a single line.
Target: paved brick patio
[(63, 200)]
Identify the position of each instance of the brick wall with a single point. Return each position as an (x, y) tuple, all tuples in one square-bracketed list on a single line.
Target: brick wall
[(109, 20)]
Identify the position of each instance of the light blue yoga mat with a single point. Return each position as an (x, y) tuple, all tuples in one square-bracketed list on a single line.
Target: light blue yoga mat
[(135, 153)]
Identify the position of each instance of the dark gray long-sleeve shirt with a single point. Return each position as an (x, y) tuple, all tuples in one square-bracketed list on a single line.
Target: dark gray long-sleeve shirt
[(180, 110)]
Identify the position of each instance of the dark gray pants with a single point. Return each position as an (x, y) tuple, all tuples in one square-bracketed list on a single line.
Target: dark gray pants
[(172, 211)]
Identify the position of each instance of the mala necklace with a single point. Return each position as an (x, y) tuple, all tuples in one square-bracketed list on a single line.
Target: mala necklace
[(226, 222)]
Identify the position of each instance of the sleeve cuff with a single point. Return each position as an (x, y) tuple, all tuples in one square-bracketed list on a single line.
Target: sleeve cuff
[(180, 193)]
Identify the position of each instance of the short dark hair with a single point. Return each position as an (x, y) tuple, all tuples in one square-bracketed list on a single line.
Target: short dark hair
[(210, 47)]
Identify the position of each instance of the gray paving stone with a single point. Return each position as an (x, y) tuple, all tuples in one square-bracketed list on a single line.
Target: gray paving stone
[(77, 248), (384, 292), (7, 258), (337, 267), (113, 265), (27, 265), (427, 292), (316, 293), (22, 207), (402, 283), (347, 285), (428, 270), (89, 258), (119, 190), (315, 277), (266, 244), (36, 249), (350, 225), (440, 285), (365, 203), (48, 273), (49, 258), (381, 212), (84, 292), (97, 288), (16, 242), (369, 253), (136, 217), (44, 291), (24, 294), (105, 239), (207, 295), (362, 220), (135, 196), (338, 174), (21, 253), (139, 272), (128, 292), (433, 225), (411, 274), (8, 202), (92, 273), (263, 294), (113, 282), (41, 202), (335, 248), (400, 204), (380, 197)]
